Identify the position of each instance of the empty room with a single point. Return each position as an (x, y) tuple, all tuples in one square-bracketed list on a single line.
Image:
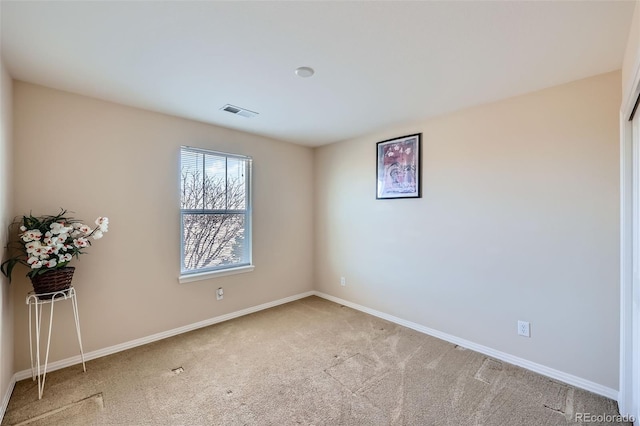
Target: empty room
[(319, 212)]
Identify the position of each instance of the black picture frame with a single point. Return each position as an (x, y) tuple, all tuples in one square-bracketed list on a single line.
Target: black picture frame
[(399, 167)]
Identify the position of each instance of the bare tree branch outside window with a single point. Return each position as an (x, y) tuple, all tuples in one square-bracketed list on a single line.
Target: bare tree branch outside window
[(214, 210)]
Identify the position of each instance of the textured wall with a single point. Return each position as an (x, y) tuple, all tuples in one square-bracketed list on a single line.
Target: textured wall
[(518, 221)]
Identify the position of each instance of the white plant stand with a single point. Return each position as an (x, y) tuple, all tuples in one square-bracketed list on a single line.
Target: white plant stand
[(37, 301)]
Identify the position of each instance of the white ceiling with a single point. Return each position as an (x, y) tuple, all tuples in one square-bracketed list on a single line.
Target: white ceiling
[(378, 64)]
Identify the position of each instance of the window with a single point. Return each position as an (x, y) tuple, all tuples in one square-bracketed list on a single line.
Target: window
[(215, 210)]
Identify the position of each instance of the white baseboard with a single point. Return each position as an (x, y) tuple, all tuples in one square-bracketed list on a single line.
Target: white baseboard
[(503, 356), (7, 396), (57, 365)]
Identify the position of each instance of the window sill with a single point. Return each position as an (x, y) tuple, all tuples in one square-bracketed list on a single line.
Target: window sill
[(214, 274)]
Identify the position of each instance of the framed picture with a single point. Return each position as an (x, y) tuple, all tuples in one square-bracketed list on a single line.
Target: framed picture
[(398, 167)]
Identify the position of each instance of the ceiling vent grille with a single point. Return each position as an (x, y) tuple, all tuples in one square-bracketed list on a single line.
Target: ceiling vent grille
[(239, 111)]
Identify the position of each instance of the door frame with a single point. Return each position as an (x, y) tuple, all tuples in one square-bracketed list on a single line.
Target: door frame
[(629, 394)]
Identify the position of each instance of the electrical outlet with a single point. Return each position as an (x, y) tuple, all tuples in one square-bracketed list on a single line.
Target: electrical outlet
[(523, 329), (219, 293), (343, 281)]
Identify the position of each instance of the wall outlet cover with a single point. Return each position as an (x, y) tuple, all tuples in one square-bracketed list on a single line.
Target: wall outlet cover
[(523, 329)]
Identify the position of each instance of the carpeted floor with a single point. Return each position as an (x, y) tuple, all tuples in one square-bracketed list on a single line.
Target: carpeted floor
[(310, 362)]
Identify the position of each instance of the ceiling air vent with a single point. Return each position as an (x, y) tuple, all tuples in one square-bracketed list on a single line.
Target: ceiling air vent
[(239, 111)]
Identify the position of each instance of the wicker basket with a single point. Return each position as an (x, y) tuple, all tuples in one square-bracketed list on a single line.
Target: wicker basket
[(52, 281)]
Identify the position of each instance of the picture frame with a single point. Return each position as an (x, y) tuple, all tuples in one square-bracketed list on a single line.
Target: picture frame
[(398, 167)]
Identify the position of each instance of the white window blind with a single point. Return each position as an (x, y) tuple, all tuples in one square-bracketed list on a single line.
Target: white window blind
[(215, 210)]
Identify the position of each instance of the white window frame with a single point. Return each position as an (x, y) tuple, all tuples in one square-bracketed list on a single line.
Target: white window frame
[(220, 271)]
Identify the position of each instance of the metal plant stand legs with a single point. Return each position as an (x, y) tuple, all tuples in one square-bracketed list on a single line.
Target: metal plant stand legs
[(36, 301)]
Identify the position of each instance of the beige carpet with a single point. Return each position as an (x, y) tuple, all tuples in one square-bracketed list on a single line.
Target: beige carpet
[(310, 362)]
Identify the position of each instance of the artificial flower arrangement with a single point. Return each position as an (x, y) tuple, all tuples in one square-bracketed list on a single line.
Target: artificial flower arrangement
[(47, 243)]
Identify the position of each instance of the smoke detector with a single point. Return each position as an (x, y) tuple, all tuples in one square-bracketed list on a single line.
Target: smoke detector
[(243, 112)]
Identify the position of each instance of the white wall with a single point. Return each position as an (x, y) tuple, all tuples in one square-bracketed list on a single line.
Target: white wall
[(6, 309), (98, 158), (518, 221)]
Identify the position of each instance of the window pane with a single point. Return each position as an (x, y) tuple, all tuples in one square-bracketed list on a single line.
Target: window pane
[(236, 181), (213, 240), (215, 210), (191, 180), (215, 182)]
